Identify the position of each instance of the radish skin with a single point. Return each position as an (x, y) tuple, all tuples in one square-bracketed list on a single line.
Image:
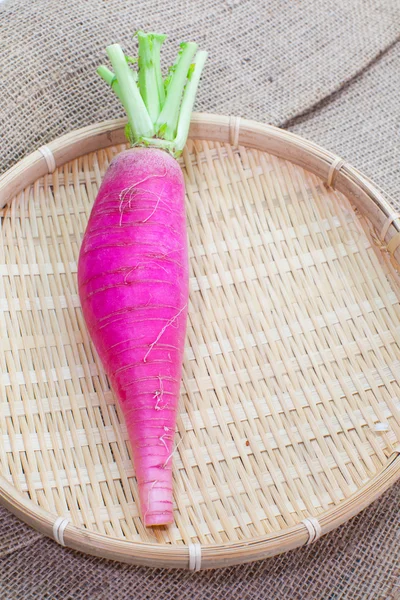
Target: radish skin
[(133, 269), (133, 286)]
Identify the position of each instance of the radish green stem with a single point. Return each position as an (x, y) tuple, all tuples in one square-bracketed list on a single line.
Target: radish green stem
[(110, 78), (158, 39), (138, 117), (158, 111), (168, 119), (189, 96), (147, 75), (157, 143)]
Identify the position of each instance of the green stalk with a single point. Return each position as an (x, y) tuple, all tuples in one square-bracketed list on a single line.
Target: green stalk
[(138, 117), (157, 143), (109, 78), (158, 40), (158, 111), (147, 75), (189, 96), (167, 121), (172, 70)]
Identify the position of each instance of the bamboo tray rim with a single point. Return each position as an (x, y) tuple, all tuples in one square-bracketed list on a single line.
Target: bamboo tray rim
[(365, 195)]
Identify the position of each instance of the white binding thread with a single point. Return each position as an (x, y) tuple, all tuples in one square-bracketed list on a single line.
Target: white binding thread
[(314, 529), (234, 130), (393, 217), (194, 557), (48, 157), (59, 527), (335, 167)]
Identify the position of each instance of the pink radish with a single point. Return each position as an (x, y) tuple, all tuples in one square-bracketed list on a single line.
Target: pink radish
[(133, 263)]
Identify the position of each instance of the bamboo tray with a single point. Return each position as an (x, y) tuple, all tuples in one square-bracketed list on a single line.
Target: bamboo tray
[(289, 422)]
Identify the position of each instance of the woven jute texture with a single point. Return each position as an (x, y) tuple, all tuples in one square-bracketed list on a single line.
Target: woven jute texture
[(361, 559), (361, 122), (267, 60)]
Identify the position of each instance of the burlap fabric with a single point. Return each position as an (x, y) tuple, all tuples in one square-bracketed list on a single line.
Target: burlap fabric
[(267, 60), (361, 122), (327, 71)]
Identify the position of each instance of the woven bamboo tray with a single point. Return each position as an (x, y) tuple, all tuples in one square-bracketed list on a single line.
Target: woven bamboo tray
[(289, 421)]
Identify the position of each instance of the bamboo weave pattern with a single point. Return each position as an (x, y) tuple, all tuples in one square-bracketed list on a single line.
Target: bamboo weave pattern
[(292, 358)]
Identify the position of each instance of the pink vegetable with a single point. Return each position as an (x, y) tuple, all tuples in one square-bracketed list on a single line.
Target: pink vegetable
[(133, 263)]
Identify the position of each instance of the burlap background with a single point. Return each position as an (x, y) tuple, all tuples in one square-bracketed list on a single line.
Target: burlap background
[(329, 71), (361, 122), (267, 60)]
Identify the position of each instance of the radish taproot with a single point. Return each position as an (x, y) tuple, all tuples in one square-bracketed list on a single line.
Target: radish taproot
[(133, 262)]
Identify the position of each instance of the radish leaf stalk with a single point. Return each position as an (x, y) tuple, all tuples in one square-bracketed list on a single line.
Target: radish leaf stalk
[(148, 84), (170, 111), (135, 108), (158, 110)]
